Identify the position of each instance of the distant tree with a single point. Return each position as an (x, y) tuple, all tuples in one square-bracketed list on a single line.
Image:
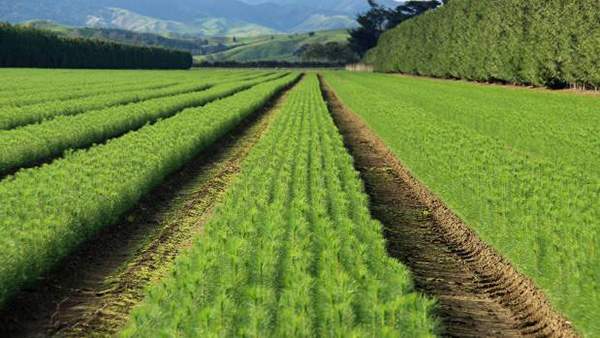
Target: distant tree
[(338, 52), (28, 47), (234, 39), (300, 51), (371, 25), (268, 64), (97, 35), (331, 52), (409, 10), (380, 18), (311, 34), (313, 52)]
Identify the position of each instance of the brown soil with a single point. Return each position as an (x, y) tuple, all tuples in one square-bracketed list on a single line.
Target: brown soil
[(479, 293), (93, 291)]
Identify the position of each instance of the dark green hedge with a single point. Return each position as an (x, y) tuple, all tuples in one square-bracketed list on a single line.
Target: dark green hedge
[(553, 43), (27, 47)]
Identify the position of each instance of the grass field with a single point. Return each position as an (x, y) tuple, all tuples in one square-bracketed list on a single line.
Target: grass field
[(289, 246)]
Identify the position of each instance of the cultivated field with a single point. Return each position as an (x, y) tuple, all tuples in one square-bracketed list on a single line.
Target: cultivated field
[(49, 210), (519, 166), (292, 251), (274, 203)]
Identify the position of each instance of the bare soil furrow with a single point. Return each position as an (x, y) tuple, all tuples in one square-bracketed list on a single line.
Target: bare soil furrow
[(480, 294)]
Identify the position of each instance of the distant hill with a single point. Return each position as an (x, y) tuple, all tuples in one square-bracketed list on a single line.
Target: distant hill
[(196, 46), (197, 17), (322, 22), (350, 7), (129, 20), (278, 47), (275, 47)]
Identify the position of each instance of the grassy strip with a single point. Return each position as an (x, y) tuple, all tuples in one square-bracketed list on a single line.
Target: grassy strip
[(12, 117), (541, 212), (49, 211), (550, 125), (292, 251), (38, 141)]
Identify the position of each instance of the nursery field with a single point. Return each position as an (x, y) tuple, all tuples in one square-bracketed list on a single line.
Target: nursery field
[(292, 251), (48, 210), (520, 167), (289, 204)]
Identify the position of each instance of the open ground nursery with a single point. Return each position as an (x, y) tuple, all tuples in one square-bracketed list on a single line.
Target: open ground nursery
[(253, 203)]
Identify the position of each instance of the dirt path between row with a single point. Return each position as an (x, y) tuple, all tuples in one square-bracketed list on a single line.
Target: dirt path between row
[(479, 293), (93, 292)]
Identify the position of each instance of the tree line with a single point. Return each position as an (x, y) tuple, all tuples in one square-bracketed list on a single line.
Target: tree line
[(379, 19), (268, 64), (29, 47), (550, 43), (334, 52)]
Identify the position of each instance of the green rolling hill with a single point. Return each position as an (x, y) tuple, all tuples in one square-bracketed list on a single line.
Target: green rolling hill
[(266, 47), (274, 47), (169, 40)]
